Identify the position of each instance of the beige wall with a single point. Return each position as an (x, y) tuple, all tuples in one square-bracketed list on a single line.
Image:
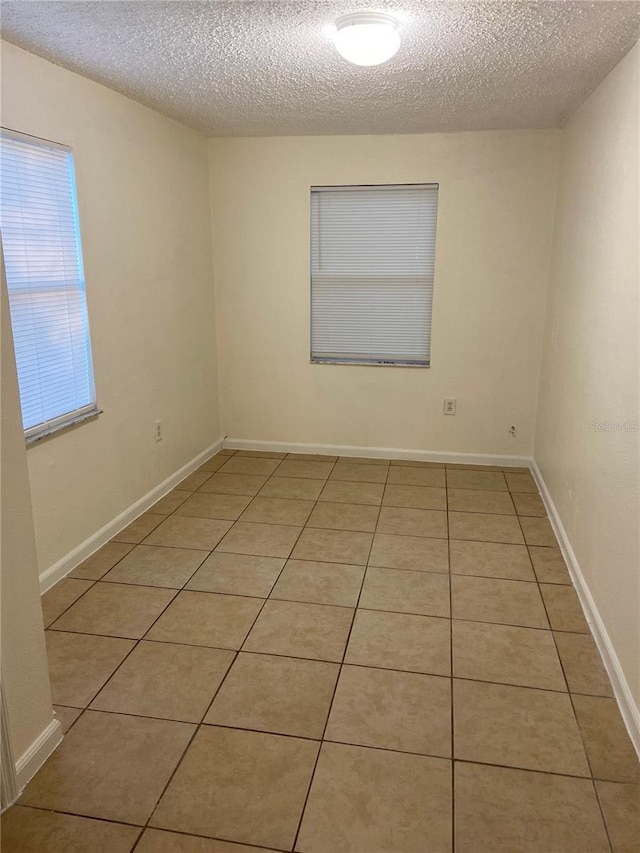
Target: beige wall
[(497, 195), (590, 372), (25, 674), (144, 215)]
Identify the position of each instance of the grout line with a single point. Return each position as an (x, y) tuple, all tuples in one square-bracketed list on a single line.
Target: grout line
[(335, 688), (575, 716), (451, 664), (77, 814), (604, 821)]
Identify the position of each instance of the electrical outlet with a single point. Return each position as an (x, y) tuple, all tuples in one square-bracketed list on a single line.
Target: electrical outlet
[(449, 406), (157, 434)]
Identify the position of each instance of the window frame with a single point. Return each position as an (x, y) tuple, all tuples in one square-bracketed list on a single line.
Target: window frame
[(67, 420), (372, 362)]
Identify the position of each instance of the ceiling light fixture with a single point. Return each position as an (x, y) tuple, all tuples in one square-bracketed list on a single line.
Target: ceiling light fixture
[(367, 38)]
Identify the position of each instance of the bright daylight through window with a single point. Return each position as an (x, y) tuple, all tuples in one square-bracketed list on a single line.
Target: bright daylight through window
[(45, 281)]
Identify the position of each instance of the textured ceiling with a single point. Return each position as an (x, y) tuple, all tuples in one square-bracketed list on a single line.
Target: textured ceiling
[(268, 67)]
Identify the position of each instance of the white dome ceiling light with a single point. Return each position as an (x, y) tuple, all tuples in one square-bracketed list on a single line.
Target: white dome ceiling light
[(367, 38)]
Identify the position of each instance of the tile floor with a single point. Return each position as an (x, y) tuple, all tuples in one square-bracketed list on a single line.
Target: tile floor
[(324, 655)]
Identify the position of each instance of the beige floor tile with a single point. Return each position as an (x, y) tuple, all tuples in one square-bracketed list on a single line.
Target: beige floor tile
[(400, 641), (416, 497), (468, 479), (211, 505), (582, 664), (339, 491), (237, 574), (362, 460), (409, 552), (261, 454), (311, 457), (226, 451), (377, 801), (183, 532), (319, 583), (251, 787), (26, 830), (609, 748), (150, 565), (495, 600), (194, 481), (484, 527), (416, 463), (515, 469), (207, 619), (402, 711), (403, 591), (359, 473), (563, 608), (250, 465), (79, 664), (333, 546), (621, 807), (306, 470), (502, 653), (490, 559), (480, 500), (115, 610), (278, 511), (517, 727), (261, 540), (170, 502), (315, 631), (234, 484), (140, 528), (521, 483), (413, 522), (66, 716), (98, 564), (276, 694), (110, 766), (159, 841), (165, 680), (344, 516), (538, 531), (500, 810), (216, 461), (408, 476), (61, 596), (297, 488), (528, 504), (549, 565)]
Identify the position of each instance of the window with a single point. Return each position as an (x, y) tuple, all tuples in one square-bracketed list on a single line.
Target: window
[(372, 261), (45, 280)]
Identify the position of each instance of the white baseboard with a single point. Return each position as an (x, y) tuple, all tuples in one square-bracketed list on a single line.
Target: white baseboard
[(628, 708), (69, 562), (378, 452), (35, 756)]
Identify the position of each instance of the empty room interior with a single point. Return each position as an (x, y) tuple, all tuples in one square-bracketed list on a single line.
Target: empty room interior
[(320, 426)]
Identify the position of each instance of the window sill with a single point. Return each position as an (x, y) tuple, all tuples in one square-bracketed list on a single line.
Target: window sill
[(368, 363), (56, 429)]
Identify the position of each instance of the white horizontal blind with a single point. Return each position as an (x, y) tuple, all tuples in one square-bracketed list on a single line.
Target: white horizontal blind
[(372, 263), (45, 280)]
